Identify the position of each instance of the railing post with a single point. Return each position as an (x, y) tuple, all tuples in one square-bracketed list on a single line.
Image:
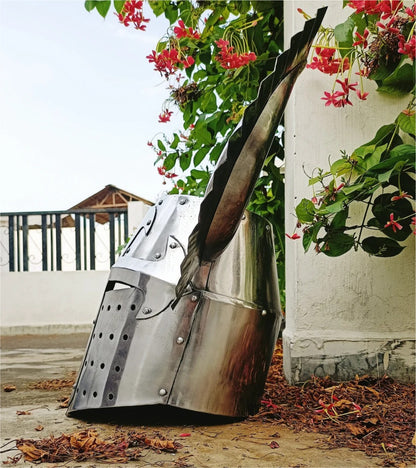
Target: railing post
[(11, 243), (92, 241), (77, 242), (44, 243), (25, 253), (58, 236), (112, 244)]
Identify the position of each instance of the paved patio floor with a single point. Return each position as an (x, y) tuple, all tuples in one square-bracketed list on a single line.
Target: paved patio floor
[(26, 360)]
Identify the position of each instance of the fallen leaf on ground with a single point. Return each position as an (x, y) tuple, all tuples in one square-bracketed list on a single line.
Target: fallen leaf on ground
[(39, 428), (22, 413), (9, 388)]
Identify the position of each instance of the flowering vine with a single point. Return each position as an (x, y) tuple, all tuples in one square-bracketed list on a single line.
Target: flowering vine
[(377, 42)]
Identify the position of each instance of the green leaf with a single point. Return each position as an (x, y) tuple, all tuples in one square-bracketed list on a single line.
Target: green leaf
[(343, 34), (381, 246), (305, 211), (170, 161), (102, 7), (209, 103), (175, 141), (406, 123), (333, 208), (90, 4), (375, 156), (171, 14), (407, 152), (339, 219), (184, 161), (161, 145), (200, 155), (400, 82), (310, 235), (337, 244), (118, 5)]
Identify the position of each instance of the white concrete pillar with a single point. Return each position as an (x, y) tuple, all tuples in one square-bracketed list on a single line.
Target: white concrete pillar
[(354, 314)]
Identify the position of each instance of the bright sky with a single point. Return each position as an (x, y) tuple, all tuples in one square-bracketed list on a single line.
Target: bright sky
[(78, 103)]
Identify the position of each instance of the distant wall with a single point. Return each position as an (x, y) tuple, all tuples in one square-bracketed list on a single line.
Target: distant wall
[(49, 302)]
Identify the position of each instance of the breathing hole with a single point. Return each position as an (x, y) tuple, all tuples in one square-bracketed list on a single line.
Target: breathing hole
[(84, 392), (117, 368), (92, 363), (100, 335), (109, 307), (119, 307), (133, 306), (110, 396), (125, 337), (102, 365), (95, 394), (111, 336)]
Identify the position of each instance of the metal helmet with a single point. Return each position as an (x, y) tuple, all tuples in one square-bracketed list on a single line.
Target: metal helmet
[(212, 351), (190, 313)]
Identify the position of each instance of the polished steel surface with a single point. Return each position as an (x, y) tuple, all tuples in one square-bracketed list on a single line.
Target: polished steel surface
[(191, 310), (209, 353)]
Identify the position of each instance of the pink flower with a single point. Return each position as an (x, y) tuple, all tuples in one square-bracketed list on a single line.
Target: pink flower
[(269, 404), (362, 39), (361, 95), (293, 236), (346, 87), (165, 116), (182, 31), (394, 224), (332, 98), (408, 48), (400, 196), (231, 60), (132, 13)]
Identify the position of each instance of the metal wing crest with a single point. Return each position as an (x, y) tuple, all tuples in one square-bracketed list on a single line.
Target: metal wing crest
[(242, 159)]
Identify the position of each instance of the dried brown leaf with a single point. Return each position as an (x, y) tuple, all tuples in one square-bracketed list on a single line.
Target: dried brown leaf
[(23, 413), (9, 388)]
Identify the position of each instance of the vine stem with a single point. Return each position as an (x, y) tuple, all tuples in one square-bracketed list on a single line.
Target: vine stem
[(365, 215)]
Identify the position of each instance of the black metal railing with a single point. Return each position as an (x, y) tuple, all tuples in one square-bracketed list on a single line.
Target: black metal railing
[(36, 240)]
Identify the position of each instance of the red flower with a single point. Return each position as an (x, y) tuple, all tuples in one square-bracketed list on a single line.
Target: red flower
[(362, 39), (161, 170), (293, 236), (361, 95), (389, 8), (165, 116), (326, 63), (400, 196), (269, 404), (408, 48), (188, 61), (414, 224), (394, 224), (230, 60), (370, 7), (181, 31), (185, 434), (346, 87), (333, 98), (132, 13)]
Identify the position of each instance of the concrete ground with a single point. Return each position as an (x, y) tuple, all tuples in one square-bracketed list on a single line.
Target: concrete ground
[(26, 360)]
